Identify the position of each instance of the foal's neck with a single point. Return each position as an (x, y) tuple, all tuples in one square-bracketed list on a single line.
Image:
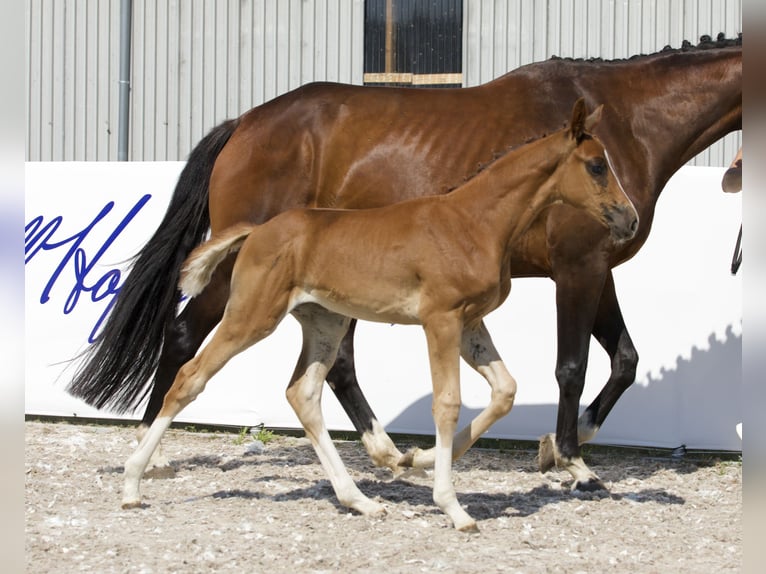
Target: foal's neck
[(505, 198)]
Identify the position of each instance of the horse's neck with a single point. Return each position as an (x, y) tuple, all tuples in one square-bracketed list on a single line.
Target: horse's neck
[(692, 100), (507, 197)]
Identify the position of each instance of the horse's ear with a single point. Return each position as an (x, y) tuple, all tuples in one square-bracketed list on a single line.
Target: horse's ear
[(577, 125), (592, 120)]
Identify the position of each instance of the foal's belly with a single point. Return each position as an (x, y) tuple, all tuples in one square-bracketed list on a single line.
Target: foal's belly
[(402, 309)]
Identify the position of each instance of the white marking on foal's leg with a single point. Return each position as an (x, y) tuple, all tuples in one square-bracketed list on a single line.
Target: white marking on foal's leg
[(444, 491), (382, 449), (159, 465), (136, 463), (478, 350), (304, 396), (345, 489), (322, 333)]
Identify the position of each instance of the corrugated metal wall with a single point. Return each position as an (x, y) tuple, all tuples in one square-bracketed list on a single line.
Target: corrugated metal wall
[(197, 62), (194, 64), (501, 35)]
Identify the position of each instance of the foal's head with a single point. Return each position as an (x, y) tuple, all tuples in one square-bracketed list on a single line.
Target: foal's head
[(586, 178)]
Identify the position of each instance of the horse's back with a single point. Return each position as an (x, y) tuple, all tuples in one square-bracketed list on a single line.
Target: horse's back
[(337, 145)]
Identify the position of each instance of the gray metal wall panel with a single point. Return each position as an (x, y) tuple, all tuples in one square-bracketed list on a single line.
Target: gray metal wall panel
[(194, 64), (72, 63), (500, 35), (197, 62)]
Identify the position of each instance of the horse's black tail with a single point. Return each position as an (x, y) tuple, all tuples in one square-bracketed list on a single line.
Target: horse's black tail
[(118, 367)]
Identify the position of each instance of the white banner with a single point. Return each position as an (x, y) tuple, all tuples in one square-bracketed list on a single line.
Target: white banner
[(681, 304)]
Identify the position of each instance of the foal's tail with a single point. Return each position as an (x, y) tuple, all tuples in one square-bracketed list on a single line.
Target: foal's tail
[(200, 265), (120, 363)]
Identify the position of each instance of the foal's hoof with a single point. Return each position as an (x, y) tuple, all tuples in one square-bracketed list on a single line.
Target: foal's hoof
[(371, 509), (408, 458), (160, 472), (418, 458), (470, 528), (546, 454), (128, 504), (591, 484)]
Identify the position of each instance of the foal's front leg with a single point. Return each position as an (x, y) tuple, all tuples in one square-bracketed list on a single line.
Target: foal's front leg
[(443, 336), (478, 350)]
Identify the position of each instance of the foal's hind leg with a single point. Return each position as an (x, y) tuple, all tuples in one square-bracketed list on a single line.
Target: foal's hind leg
[(322, 333), (479, 352), (189, 383), (247, 320), (182, 340)]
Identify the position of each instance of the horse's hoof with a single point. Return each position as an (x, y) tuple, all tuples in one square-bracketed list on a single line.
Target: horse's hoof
[(546, 454), (592, 484)]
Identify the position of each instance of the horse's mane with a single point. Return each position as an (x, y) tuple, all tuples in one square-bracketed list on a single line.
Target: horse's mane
[(705, 43)]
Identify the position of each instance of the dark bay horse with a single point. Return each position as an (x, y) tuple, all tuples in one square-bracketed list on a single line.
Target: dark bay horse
[(331, 145), (440, 261)]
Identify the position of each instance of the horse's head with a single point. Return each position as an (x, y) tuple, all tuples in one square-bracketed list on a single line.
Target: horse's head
[(587, 179)]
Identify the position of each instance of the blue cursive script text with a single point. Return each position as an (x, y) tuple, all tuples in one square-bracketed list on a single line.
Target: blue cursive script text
[(42, 235)]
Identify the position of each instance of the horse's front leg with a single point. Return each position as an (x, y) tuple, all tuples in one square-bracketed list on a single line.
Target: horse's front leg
[(610, 331), (343, 382), (578, 290), (183, 338), (478, 350)]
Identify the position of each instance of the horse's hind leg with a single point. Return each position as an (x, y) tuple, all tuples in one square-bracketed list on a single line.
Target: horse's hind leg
[(322, 333), (478, 350), (182, 340), (343, 382)]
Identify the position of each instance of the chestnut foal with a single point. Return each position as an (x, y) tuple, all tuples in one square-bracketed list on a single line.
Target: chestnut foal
[(440, 261)]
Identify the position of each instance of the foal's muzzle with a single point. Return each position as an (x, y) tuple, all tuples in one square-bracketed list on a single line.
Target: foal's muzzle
[(622, 221)]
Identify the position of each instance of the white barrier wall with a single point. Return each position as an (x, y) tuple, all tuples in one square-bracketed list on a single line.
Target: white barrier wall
[(680, 302)]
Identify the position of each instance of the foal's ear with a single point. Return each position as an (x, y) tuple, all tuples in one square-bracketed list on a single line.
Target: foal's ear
[(581, 122)]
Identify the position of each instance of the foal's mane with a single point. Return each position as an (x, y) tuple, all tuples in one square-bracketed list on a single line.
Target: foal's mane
[(481, 166), (705, 43)]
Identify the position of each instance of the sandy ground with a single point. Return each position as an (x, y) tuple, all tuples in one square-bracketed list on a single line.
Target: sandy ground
[(233, 507)]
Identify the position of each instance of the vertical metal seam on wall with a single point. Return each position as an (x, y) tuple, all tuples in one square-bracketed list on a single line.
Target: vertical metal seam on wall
[(221, 59)]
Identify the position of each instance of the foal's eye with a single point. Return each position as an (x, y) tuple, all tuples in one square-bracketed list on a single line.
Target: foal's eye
[(597, 167)]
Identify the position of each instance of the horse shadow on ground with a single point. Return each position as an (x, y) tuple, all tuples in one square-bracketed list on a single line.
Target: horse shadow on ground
[(481, 505), (661, 411), (673, 408)]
